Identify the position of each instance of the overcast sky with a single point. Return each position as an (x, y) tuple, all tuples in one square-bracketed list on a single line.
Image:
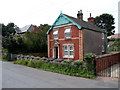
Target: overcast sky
[(36, 12)]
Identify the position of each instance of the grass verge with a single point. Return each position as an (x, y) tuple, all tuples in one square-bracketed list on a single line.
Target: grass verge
[(72, 69)]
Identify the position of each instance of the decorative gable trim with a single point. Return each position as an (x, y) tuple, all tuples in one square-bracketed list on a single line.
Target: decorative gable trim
[(73, 22), (61, 20)]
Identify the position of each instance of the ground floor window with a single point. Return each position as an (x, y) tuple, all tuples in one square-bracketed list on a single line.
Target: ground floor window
[(103, 48), (68, 51)]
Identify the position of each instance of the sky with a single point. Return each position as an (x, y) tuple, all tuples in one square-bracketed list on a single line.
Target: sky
[(36, 12)]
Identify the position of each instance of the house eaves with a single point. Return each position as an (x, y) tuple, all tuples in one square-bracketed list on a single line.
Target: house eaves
[(81, 24)]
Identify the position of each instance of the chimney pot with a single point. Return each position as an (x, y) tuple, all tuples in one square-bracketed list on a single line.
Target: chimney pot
[(91, 19), (80, 11), (80, 15)]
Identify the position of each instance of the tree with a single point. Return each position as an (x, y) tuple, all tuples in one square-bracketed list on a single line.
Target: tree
[(115, 46), (36, 41), (106, 21), (30, 42), (10, 44), (9, 30)]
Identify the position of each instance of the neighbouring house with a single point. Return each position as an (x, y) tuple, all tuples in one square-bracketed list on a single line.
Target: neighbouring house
[(71, 38), (115, 36), (113, 42), (26, 29)]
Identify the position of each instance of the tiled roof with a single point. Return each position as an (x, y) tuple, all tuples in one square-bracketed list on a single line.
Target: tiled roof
[(85, 24), (24, 29), (115, 35)]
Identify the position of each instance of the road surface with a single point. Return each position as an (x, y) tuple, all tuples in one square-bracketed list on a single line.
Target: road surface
[(18, 76)]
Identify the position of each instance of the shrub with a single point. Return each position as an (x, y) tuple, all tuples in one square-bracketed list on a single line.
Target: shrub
[(31, 63), (115, 46), (68, 61), (73, 68), (18, 62), (89, 56), (38, 63), (78, 64), (22, 62)]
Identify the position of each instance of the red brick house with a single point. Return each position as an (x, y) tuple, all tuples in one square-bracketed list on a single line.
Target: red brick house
[(71, 38)]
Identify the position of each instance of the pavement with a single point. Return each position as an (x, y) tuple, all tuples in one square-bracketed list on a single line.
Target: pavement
[(18, 76)]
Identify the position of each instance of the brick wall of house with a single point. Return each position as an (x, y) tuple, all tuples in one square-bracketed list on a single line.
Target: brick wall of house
[(75, 39), (93, 42)]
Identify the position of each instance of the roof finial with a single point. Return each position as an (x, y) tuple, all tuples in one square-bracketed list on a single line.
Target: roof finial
[(80, 11), (60, 11)]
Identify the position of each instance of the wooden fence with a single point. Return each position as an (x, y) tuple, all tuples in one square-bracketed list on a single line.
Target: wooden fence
[(108, 65)]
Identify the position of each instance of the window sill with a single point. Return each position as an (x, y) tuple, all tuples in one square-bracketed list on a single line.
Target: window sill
[(56, 39), (68, 57), (67, 38)]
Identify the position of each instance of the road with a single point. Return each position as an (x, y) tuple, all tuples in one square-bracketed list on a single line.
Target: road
[(18, 76)]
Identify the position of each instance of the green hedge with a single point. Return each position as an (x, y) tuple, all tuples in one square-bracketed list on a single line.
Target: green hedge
[(72, 68)]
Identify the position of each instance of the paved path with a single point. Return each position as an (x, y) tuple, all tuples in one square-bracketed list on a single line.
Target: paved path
[(17, 76)]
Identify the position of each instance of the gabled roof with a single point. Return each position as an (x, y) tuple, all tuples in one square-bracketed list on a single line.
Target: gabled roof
[(24, 29), (85, 24), (115, 36), (81, 24)]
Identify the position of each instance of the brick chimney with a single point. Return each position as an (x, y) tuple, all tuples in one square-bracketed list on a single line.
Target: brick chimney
[(80, 15), (34, 27), (91, 19)]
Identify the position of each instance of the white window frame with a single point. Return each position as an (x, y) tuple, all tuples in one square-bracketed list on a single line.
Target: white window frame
[(55, 33), (103, 35), (103, 48), (67, 31), (65, 51), (68, 50), (71, 56)]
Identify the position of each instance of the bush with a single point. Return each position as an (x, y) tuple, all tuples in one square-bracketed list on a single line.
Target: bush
[(4, 54), (22, 62), (89, 56), (31, 63), (38, 63), (115, 47), (78, 64)]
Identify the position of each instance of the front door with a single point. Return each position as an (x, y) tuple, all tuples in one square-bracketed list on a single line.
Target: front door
[(56, 52)]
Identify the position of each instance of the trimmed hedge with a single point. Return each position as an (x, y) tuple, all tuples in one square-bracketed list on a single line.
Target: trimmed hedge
[(72, 68)]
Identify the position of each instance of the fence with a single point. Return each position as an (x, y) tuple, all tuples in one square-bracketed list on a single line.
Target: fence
[(9, 57), (108, 65)]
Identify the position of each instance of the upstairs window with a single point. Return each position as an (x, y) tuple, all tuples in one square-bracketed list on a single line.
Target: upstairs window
[(55, 34), (103, 48), (67, 33)]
